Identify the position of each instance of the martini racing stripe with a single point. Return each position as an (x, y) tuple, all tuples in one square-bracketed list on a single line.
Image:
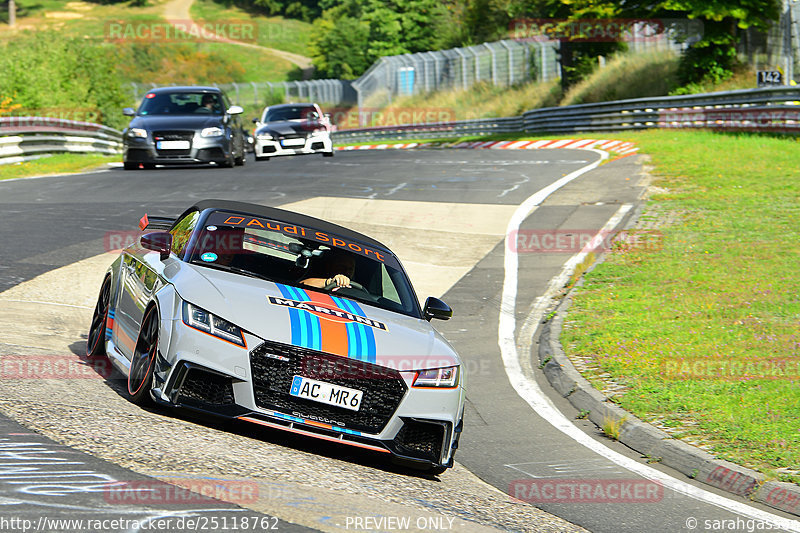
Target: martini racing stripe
[(305, 326), (352, 339), (361, 338), (334, 334)]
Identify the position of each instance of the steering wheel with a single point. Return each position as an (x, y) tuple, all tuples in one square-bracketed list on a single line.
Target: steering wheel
[(353, 285)]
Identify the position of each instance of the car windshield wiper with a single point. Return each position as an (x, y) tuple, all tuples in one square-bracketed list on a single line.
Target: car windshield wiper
[(235, 270)]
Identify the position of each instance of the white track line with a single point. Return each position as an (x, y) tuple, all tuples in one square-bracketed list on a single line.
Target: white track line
[(529, 390)]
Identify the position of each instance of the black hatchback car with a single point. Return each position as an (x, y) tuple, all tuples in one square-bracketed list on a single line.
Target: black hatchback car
[(183, 125)]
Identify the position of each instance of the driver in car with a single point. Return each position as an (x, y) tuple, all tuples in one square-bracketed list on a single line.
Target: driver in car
[(207, 104), (336, 269)]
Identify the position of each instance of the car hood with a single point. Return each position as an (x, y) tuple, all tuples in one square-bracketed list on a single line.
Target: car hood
[(288, 127), (314, 319), (176, 122)]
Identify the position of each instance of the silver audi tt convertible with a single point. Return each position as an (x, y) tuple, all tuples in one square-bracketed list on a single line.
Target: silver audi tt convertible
[(279, 319)]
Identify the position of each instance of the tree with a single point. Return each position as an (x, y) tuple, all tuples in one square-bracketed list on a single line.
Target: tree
[(352, 35), (714, 55)]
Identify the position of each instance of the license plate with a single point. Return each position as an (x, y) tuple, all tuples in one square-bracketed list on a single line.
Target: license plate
[(326, 393), (173, 145), (293, 142)]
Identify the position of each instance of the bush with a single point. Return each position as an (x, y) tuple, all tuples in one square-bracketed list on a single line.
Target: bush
[(60, 76)]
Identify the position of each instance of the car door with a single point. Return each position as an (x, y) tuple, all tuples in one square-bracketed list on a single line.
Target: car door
[(128, 315)]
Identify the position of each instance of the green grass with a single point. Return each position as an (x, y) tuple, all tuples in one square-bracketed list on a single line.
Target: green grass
[(170, 61), (722, 288), (482, 100), (273, 32), (57, 164), (627, 76)]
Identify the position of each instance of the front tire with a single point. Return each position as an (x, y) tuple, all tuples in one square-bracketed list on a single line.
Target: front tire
[(96, 342), (327, 154), (140, 375), (130, 166)]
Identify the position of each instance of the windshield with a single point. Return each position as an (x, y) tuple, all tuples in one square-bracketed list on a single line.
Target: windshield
[(277, 252), (276, 114), (181, 103)]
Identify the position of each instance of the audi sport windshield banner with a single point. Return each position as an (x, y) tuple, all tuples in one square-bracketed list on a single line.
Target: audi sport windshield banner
[(300, 232)]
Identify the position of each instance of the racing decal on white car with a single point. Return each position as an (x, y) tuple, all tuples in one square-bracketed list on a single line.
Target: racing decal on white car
[(329, 324), (327, 312)]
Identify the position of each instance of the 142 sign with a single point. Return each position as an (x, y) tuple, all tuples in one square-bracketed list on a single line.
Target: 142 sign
[(767, 78)]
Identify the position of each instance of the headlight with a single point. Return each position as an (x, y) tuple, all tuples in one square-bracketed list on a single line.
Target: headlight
[(437, 377), (198, 318), (137, 132), (211, 132), (264, 136)]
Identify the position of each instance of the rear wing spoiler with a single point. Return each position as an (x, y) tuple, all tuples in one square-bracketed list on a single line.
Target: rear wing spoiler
[(156, 223)]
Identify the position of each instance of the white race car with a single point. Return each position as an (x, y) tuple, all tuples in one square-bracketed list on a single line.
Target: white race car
[(292, 129), (231, 309)]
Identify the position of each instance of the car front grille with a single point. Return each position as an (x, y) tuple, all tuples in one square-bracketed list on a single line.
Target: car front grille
[(291, 136), (173, 135), (274, 365)]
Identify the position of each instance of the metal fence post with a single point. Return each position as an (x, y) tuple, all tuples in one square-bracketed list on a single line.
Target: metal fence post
[(494, 63), (545, 76), (463, 67), (510, 62)]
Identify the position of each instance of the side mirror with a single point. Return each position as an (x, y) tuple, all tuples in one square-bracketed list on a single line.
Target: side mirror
[(158, 241), (435, 308), (235, 110), (128, 111)]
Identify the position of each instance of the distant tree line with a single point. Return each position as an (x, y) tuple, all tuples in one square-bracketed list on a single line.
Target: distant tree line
[(349, 35)]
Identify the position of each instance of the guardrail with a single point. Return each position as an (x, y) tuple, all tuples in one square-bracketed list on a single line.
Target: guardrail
[(769, 109), (28, 138)]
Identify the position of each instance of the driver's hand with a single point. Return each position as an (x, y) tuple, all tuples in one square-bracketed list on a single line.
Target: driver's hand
[(340, 280)]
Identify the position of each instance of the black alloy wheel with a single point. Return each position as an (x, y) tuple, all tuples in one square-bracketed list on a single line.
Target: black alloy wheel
[(140, 376), (96, 343)]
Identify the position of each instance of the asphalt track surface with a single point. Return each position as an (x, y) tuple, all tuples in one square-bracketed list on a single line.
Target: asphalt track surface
[(49, 223)]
